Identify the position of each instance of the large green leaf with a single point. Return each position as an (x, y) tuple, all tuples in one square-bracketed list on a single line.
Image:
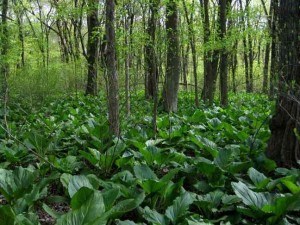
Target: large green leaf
[(14, 184), (77, 182), (259, 179), (205, 144), (250, 197), (153, 217), (143, 172), (180, 207), (125, 206), (87, 209)]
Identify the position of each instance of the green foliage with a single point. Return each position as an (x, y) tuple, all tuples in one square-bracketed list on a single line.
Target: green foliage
[(207, 166)]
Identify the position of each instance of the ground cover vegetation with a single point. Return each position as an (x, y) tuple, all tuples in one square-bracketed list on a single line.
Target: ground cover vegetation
[(149, 112), (206, 166)]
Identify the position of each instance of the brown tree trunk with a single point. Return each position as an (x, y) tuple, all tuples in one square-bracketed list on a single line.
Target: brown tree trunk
[(92, 47), (111, 65), (284, 146), (211, 58), (171, 84)]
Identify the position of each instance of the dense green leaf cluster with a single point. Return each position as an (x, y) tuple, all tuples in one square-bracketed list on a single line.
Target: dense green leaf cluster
[(206, 166)]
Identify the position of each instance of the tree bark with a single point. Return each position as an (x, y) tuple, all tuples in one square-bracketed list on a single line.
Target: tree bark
[(284, 146), (111, 65), (171, 84), (92, 47), (211, 58), (151, 65)]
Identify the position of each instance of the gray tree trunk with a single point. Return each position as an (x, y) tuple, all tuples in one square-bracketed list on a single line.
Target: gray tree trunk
[(111, 65)]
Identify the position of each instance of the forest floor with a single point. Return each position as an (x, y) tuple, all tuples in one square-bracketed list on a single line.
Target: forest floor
[(59, 165)]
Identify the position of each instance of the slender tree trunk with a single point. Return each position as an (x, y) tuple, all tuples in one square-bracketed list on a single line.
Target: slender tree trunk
[(194, 53), (274, 47), (266, 69), (111, 65), (128, 34), (171, 84), (284, 146), (224, 54), (185, 66), (92, 47), (268, 47), (151, 66), (211, 58), (4, 51), (245, 52)]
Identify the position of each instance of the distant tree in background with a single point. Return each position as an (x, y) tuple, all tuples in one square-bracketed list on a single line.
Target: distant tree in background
[(284, 146), (4, 51)]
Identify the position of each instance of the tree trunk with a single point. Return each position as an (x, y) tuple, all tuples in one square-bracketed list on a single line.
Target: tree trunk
[(274, 48), (4, 52), (92, 47), (151, 67), (284, 146), (194, 53), (111, 65), (224, 55), (171, 84), (185, 65), (211, 58), (266, 69)]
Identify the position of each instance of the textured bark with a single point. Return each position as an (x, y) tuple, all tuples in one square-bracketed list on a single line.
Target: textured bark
[(92, 47), (284, 147), (111, 65), (171, 84), (151, 64)]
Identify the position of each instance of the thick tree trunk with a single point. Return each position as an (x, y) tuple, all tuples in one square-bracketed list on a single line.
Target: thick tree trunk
[(171, 84), (92, 47), (284, 146), (111, 65)]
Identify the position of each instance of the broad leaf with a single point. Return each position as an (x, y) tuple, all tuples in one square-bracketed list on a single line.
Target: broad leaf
[(180, 207), (250, 197)]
